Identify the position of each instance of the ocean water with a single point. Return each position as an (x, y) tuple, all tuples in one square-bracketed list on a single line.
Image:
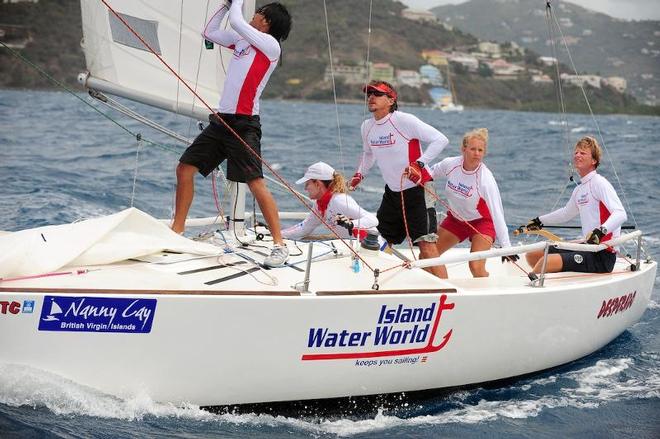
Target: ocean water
[(61, 161)]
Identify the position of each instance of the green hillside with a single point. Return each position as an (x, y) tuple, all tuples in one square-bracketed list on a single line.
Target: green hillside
[(598, 43), (55, 31)]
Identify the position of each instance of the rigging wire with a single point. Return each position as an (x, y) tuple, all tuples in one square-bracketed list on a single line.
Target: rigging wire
[(137, 164), (334, 87), (593, 118), (561, 111), (76, 95), (367, 65)]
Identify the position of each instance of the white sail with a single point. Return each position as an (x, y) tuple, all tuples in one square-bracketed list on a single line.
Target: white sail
[(118, 62)]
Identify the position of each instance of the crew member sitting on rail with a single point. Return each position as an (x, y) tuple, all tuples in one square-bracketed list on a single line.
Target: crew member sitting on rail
[(601, 216), (328, 188), (475, 207)]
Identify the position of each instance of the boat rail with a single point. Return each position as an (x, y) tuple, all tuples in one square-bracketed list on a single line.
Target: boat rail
[(545, 246)]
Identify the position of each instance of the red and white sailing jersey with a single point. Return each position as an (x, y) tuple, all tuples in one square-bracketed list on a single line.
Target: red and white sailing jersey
[(255, 57), (597, 203), (339, 204), (472, 194), (394, 141)]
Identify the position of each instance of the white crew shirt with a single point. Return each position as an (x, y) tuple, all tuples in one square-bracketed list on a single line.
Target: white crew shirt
[(339, 204), (473, 194), (597, 203), (394, 142), (255, 57)]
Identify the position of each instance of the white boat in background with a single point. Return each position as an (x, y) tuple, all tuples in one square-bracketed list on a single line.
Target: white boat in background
[(124, 305), (451, 108)]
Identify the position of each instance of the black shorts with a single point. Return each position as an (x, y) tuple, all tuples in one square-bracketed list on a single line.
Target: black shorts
[(216, 143), (585, 262), (421, 219)]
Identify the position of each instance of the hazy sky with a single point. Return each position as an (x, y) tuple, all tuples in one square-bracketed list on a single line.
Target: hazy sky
[(629, 9)]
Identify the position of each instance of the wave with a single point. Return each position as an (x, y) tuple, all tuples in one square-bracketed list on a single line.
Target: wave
[(586, 388)]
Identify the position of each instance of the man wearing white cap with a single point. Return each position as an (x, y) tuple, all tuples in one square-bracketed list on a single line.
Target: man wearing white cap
[(393, 140), (328, 188)]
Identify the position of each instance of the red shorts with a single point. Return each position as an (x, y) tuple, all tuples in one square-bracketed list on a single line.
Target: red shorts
[(462, 230)]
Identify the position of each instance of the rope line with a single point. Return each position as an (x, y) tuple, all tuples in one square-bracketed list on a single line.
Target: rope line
[(234, 133)]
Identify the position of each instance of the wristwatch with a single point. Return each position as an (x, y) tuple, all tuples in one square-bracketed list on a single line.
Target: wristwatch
[(603, 230)]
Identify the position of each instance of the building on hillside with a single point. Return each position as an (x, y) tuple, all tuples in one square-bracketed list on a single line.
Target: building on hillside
[(469, 62), (348, 74), (382, 72), (579, 80), (435, 57), (504, 70), (492, 50), (441, 96), (616, 82), (15, 36), (541, 79), (410, 78), (419, 15), (430, 75), (547, 60)]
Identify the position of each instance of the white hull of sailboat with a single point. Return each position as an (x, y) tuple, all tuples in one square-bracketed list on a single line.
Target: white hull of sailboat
[(234, 345), (451, 108)]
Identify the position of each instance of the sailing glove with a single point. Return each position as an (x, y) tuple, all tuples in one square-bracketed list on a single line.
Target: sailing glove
[(596, 236), (510, 258), (345, 222), (357, 178), (415, 173), (534, 224)]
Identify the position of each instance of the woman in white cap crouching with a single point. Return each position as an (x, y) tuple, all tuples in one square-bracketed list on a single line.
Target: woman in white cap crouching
[(338, 209)]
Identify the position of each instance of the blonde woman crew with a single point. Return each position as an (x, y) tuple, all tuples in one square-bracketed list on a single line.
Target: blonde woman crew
[(338, 209), (475, 206)]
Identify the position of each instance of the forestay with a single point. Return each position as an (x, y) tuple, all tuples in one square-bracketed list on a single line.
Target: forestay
[(119, 63)]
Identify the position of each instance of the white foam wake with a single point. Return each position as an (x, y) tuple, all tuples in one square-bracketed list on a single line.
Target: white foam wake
[(585, 388)]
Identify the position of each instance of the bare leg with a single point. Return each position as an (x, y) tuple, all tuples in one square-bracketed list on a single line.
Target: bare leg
[(185, 191), (428, 250), (533, 257), (555, 264), (268, 207), (479, 243), (446, 240)]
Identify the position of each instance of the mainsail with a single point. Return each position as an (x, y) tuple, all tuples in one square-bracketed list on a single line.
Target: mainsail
[(118, 62)]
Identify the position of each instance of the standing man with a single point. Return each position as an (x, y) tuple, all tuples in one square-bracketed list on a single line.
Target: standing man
[(257, 50), (393, 140), (601, 215)]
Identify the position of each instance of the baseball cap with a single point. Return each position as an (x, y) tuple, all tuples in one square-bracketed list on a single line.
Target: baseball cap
[(318, 171), (383, 88)]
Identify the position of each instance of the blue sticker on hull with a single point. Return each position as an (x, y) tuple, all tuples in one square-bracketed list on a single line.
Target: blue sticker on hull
[(97, 314)]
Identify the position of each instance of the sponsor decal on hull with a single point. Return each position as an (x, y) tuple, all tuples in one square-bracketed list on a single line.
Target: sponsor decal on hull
[(97, 314), (399, 331), (616, 305), (15, 307)]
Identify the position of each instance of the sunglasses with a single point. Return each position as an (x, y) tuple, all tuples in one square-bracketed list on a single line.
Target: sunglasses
[(376, 93)]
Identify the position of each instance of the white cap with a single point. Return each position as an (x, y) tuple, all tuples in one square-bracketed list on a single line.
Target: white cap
[(317, 171)]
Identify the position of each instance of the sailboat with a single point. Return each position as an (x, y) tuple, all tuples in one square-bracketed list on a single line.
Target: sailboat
[(123, 305), (452, 106)]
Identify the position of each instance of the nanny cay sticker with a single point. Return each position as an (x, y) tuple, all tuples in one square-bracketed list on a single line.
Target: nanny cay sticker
[(97, 314)]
